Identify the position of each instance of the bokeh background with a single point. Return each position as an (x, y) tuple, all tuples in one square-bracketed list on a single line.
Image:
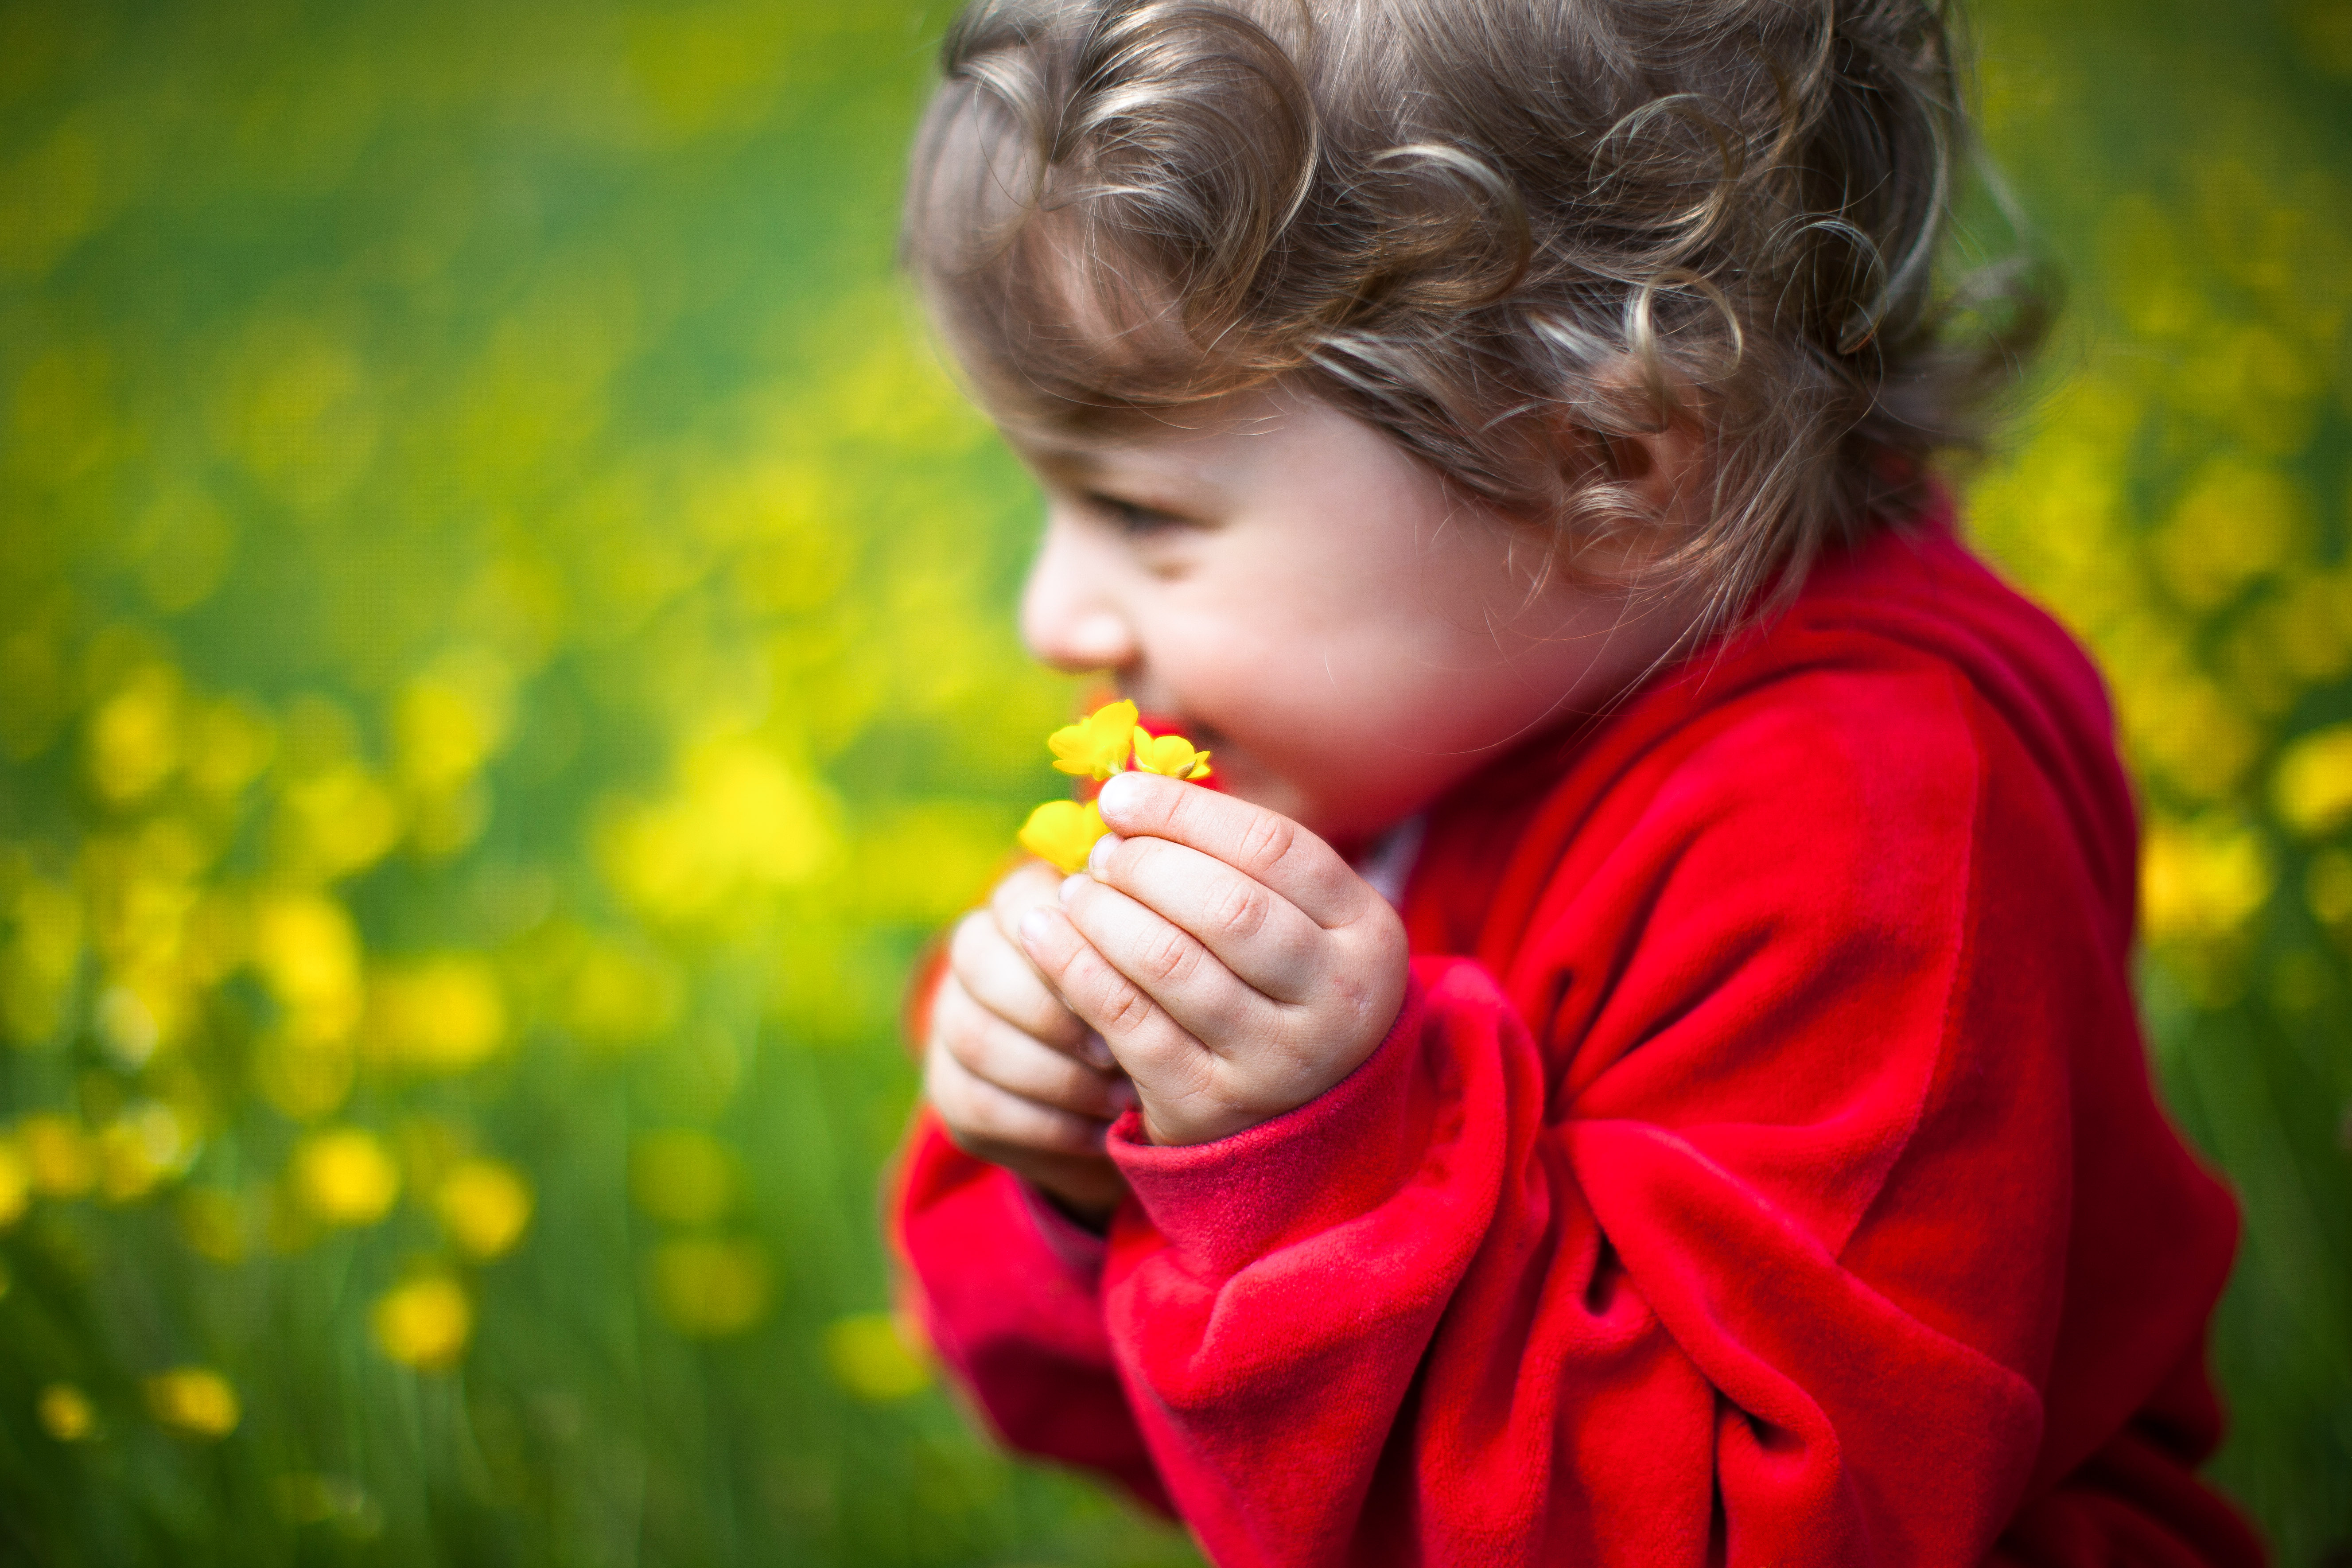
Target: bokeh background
[(506, 652)]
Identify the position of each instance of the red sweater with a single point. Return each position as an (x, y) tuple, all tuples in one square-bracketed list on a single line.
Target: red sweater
[(1764, 1169)]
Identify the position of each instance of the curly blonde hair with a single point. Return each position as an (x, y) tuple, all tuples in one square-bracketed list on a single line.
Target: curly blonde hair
[(1508, 232)]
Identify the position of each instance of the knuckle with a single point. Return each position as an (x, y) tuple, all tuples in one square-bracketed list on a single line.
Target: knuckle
[(966, 1039), (1264, 842), (1168, 958), (1127, 1009), (950, 1093), (1239, 910)]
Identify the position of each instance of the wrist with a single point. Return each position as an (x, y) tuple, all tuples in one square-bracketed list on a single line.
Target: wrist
[(1090, 1214)]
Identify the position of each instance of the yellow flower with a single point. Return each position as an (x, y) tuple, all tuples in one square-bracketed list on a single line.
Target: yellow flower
[(2313, 790), (1096, 746), (58, 1155), (876, 1356), (16, 1182), (682, 1175), (146, 1144), (1063, 832), (2200, 881), (442, 1014), (423, 1323), (1171, 756), (345, 1177), (710, 1288), (67, 1414), (484, 1206), (195, 1401)]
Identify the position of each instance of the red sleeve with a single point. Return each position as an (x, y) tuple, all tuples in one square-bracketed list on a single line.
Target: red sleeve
[(1010, 1294), (1754, 1251)]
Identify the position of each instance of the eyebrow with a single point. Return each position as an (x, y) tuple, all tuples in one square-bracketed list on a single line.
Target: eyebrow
[(1075, 462), (1084, 468)]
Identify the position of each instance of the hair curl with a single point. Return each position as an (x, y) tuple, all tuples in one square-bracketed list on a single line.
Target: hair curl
[(1508, 232)]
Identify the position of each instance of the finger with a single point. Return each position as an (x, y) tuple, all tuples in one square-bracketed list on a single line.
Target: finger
[(1264, 846), (1264, 939), (995, 1052), (1146, 1041), (1171, 965), (1035, 886), (980, 1113), (1001, 978)]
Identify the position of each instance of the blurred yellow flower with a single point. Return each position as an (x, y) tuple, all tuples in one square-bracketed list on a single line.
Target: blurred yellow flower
[(306, 1498), (307, 952), (2202, 879), (441, 1015), (710, 1288), (212, 1223), (485, 1206), (194, 1400), (450, 720), (302, 1075), (40, 965), (1096, 746), (146, 1144), (2327, 886), (2237, 522), (2313, 786), (66, 1413), (743, 820), (58, 1155), (16, 1182), (1171, 756), (681, 1175), (618, 996), (345, 1177), (1063, 832), (423, 1323), (133, 738), (232, 743), (876, 1356)]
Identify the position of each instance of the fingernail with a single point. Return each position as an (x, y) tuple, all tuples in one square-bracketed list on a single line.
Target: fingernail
[(1070, 887), (1096, 1052), (1118, 793), (1033, 926), (1099, 855)]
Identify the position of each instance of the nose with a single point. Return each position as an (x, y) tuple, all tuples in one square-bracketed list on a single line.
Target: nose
[(1071, 615)]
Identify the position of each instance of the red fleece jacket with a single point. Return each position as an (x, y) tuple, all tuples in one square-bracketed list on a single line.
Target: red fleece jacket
[(1764, 1169)]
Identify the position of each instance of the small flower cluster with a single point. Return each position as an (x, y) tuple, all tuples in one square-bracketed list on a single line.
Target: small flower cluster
[(1108, 740)]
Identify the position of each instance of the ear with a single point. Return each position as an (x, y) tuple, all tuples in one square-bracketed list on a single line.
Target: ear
[(1664, 467)]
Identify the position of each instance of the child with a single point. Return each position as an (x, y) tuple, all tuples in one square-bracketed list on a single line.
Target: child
[(1497, 430)]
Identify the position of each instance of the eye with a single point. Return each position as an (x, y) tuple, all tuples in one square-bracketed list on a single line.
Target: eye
[(1130, 518)]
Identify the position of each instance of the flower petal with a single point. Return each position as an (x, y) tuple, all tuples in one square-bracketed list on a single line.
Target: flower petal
[(1063, 832)]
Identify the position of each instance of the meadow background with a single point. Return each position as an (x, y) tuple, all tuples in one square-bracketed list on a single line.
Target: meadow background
[(505, 653)]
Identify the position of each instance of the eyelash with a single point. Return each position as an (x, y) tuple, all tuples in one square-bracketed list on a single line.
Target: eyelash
[(1130, 519)]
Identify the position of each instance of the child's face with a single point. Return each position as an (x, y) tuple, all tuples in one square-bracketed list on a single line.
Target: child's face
[(1305, 599)]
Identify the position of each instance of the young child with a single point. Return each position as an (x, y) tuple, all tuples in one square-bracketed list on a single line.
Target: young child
[(1635, 1062)]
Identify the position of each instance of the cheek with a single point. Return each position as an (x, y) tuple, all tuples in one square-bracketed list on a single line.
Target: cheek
[(1342, 725)]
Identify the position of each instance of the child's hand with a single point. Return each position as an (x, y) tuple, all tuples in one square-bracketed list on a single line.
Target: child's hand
[(1235, 963), (1005, 1065)]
